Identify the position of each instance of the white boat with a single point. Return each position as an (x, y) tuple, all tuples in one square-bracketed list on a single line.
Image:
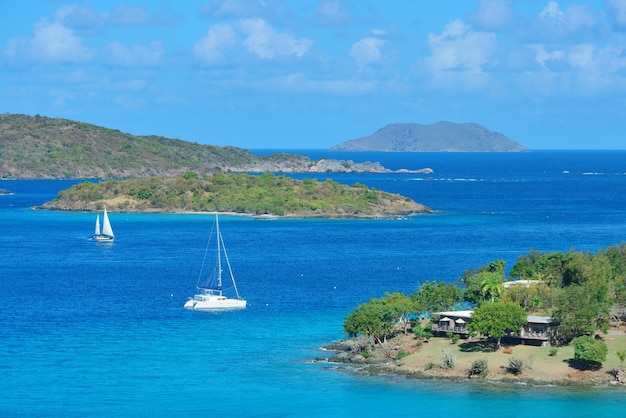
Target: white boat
[(210, 296), (106, 234)]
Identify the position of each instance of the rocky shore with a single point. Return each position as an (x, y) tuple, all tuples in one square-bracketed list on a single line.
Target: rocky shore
[(407, 357)]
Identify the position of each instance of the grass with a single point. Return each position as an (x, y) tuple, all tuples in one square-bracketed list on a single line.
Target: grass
[(544, 367)]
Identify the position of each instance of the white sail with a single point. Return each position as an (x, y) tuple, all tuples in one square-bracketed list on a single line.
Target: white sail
[(106, 235), (106, 225), (97, 232)]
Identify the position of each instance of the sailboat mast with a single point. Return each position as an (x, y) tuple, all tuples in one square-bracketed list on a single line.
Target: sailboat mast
[(219, 254)]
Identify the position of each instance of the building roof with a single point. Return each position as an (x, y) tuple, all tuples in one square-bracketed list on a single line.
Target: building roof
[(468, 314)]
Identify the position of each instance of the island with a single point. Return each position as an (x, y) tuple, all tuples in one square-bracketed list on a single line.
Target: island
[(38, 147), (558, 319), (436, 137), (257, 195)]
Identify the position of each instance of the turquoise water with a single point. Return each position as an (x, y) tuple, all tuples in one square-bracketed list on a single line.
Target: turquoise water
[(98, 329)]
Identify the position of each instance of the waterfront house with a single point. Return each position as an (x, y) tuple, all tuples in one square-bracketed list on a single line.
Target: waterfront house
[(539, 330)]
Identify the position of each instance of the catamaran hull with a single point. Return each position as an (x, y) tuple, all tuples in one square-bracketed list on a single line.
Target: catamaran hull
[(215, 304), (101, 238)]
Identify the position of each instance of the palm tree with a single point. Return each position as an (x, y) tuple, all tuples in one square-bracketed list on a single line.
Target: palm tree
[(491, 286)]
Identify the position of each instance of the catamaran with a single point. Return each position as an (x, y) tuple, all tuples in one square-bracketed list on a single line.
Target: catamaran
[(210, 295), (106, 234)]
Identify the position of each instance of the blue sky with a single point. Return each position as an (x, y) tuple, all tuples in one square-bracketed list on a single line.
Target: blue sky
[(290, 74)]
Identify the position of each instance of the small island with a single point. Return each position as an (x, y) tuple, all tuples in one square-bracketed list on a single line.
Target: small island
[(437, 137), (560, 319), (263, 195)]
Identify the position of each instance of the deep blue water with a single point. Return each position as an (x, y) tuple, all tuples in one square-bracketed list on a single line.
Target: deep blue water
[(90, 329)]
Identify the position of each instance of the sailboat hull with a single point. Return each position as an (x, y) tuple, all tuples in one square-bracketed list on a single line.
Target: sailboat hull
[(214, 303), (102, 238)]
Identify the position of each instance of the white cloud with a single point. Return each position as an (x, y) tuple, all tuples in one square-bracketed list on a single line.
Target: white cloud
[(367, 50), (578, 16), (79, 17), (135, 56), (332, 12), (51, 43), (211, 48), (543, 57), (493, 14), (460, 48), (618, 11), (265, 42), (552, 11), (582, 56)]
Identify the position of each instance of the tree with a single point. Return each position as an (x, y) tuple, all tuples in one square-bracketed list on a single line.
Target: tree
[(491, 275), (402, 304), (491, 285), (375, 318), (494, 319), (589, 351), (433, 296), (583, 309)]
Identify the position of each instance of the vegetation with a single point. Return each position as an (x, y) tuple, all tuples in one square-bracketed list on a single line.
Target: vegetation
[(493, 319), (517, 365), (479, 368), (447, 360), (41, 147), (589, 351), (584, 292), (239, 193)]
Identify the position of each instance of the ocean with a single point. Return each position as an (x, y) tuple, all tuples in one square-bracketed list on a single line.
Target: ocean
[(99, 329)]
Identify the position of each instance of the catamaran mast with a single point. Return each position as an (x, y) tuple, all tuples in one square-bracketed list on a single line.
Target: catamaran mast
[(219, 254)]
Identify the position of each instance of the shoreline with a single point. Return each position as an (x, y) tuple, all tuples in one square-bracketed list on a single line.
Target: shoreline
[(420, 362)]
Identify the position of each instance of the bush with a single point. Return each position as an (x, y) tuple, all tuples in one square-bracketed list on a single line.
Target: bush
[(516, 365), (479, 368), (402, 354), (455, 338), (429, 366), (553, 351), (589, 351), (448, 360)]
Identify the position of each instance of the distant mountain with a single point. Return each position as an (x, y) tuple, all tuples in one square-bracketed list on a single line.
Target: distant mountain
[(441, 136), (42, 147)]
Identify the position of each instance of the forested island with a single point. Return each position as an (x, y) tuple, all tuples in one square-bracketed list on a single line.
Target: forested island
[(266, 194), (38, 147), (579, 298)]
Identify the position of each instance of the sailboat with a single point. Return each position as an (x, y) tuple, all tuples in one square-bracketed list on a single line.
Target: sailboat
[(106, 235), (210, 295)]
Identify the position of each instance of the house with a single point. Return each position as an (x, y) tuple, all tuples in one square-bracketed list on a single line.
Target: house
[(539, 330)]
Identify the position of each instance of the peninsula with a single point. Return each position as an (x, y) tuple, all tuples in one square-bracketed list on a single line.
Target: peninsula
[(257, 195), (437, 137), (558, 318), (38, 147)]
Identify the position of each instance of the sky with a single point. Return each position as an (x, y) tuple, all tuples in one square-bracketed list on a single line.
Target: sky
[(310, 74)]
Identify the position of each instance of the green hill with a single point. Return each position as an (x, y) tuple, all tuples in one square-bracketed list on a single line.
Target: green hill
[(42, 147)]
